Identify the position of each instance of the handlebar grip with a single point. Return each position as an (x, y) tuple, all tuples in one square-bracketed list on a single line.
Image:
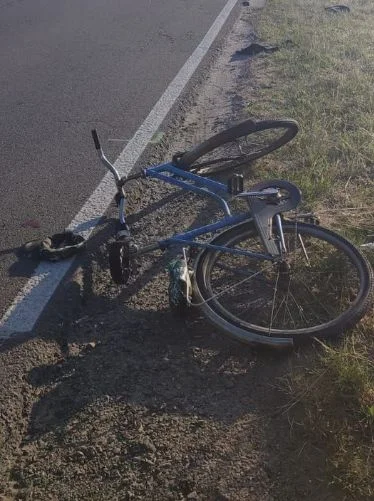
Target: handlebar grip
[(96, 139)]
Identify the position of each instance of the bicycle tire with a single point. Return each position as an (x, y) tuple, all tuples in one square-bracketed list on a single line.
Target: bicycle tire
[(230, 317), (187, 160), (119, 263)]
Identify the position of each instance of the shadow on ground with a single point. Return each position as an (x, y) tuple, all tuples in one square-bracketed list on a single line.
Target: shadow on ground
[(139, 403)]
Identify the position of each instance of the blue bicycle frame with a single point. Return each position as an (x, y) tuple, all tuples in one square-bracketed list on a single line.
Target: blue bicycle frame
[(265, 209), (206, 187)]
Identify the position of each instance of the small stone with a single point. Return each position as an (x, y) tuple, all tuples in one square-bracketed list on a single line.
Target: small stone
[(148, 444), (79, 455), (88, 451), (193, 495)]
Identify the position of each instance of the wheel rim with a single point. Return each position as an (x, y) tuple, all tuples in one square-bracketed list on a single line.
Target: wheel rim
[(241, 150), (317, 287)]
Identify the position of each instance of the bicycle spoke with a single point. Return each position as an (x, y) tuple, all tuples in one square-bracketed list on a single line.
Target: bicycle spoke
[(273, 305), (235, 270), (309, 289)]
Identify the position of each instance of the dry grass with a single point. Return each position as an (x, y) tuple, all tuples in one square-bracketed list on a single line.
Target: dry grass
[(334, 402), (323, 76)]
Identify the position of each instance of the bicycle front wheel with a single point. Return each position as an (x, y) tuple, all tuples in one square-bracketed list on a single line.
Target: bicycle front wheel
[(322, 288), (238, 145)]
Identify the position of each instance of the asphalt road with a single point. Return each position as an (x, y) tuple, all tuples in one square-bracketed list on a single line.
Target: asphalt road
[(65, 67)]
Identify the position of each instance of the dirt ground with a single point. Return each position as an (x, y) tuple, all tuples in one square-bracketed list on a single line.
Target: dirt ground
[(115, 398)]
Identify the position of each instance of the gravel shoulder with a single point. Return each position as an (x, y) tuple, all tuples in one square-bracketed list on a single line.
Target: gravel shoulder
[(118, 399)]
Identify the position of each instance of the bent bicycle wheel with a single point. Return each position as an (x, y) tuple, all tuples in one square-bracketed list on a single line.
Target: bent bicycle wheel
[(324, 287), (238, 145)]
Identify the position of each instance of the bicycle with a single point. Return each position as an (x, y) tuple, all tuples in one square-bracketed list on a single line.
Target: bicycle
[(265, 279)]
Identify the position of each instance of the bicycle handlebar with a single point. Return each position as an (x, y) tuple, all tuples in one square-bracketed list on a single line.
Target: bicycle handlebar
[(95, 137)]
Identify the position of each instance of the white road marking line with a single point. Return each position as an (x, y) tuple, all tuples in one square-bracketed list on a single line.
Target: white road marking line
[(28, 305)]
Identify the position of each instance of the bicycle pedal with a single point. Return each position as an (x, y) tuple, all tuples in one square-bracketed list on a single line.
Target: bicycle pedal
[(235, 184)]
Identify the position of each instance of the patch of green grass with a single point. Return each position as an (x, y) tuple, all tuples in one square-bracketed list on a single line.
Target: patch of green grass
[(336, 400), (323, 76)]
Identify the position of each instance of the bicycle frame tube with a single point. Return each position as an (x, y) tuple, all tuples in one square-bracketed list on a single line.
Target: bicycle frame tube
[(197, 184), (170, 174), (187, 239), (122, 207)]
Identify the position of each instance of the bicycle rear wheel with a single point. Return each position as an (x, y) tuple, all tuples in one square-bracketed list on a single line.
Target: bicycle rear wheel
[(323, 287), (238, 145)]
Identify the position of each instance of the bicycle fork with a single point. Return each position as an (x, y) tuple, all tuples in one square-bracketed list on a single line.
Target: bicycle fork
[(282, 243), (277, 196), (123, 230)]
